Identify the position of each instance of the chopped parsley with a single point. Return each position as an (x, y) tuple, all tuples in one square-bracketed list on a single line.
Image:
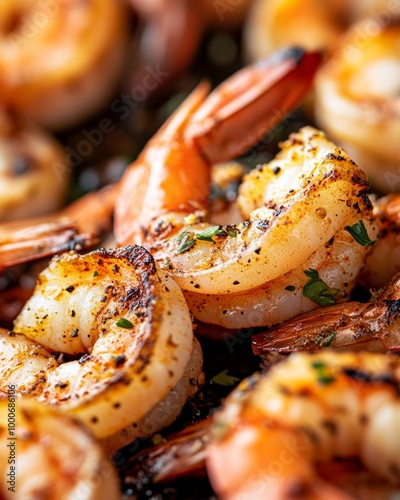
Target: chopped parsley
[(224, 379), (323, 375), (326, 338), (359, 233), (318, 291), (188, 239), (124, 323), (209, 233), (185, 241), (95, 274)]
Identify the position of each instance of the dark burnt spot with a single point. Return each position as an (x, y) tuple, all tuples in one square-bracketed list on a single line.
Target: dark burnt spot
[(368, 378), (117, 405), (356, 207), (62, 385), (393, 307), (84, 358), (100, 262), (236, 282), (262, 225), (330, 426), (197, 286), (11, 334), (330, 242), (363, 419), (257, 251), (70, 289), (278, 211), (103, 299), (361, 181), (72, 314), (94, 420), (276, 170), (171, 373), (115, 268), (337, 157), (145, 378), (120, 360), (365, 198), (171, 342)]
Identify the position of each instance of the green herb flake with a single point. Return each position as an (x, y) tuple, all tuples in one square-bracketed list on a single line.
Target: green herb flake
[(186, 241), (232, 233), (290, 288), (318, 291), (158, 439), (124, 323), (167, 264), (359, 233), (224, 379), (209, 233), (95, 274), (326, 339), (323, 376)]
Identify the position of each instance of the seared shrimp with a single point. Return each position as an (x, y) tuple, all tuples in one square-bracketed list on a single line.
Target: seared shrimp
[(355, 325), (325, 195), (47, 455), (29, 184), (357, 100), (129, 331), (273, 428), (338, 264), (60, 62), (384, 261)]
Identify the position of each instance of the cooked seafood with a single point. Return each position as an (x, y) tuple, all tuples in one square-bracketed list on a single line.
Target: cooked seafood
[(78, 226), (45, 454), (167, 216), (384, 261), (131, 328), (29, 182), (273, 428), (338, 265), (357, 100), (60, 62)]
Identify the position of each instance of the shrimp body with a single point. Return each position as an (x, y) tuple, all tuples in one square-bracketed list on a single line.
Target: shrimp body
[(273, 428), (56, 458), (55, 67), (338, 264), (359, 109), (126, 325)]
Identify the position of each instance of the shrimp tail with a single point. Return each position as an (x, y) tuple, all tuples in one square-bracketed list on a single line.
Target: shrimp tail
[(373, 325), (255, 99)]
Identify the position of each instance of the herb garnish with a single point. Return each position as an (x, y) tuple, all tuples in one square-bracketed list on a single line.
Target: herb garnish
[(224, 379), (324, 377), (95, 274), (359, 233), (187, 239), (318, 291), (124, 323), (326, 338)]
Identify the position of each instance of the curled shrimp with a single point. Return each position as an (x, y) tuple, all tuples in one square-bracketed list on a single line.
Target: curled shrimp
[(126, 332), (49, 455), (274, 428), (326, 194), (373, 326), (60, 62), (338, 261), (29, 184), (360, 109)]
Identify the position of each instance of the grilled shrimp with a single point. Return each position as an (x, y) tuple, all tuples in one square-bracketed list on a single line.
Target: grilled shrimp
[(325, 195), (357, 101), (29, 185), (60, 61), (45, 454), (355, 325), (126, 333), (274, 428)]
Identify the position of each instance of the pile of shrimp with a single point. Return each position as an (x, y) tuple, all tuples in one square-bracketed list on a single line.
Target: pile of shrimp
[(107, 337)]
